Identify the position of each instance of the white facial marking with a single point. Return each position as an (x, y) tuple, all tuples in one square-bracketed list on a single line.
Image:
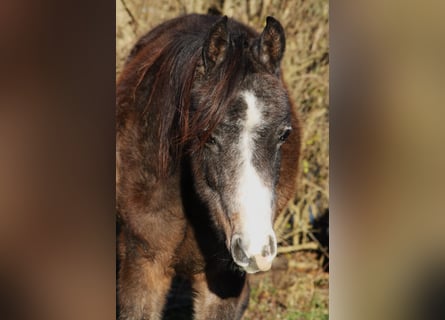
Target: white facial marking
[(253, 113), (253, 197)]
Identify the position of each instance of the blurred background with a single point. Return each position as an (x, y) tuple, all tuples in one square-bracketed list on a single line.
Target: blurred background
[(297, 286), (387, 155)]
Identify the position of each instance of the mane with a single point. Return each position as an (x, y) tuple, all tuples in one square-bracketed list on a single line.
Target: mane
[(166, 80)]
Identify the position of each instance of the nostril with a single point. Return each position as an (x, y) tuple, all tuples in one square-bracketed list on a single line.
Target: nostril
[(238, 253), (271, 248), (266, 251)]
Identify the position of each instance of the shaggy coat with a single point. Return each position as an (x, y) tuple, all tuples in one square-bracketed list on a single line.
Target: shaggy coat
[(180, 113)]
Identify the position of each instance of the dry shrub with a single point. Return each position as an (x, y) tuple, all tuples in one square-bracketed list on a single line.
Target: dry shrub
[(305, 68)]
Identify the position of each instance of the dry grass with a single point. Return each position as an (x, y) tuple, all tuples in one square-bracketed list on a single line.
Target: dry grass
[(297, 292), (306, 69)]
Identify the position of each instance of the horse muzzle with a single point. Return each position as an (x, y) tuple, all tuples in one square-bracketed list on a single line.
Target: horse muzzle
[(250, 259)]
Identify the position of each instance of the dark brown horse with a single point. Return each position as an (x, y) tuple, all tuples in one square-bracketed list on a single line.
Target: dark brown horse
[(205, 158)]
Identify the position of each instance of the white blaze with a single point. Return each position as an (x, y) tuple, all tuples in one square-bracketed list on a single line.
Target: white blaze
[(254, 197)]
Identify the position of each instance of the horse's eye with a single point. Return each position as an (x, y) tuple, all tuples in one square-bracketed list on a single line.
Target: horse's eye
[(285, 134), (211, 140)]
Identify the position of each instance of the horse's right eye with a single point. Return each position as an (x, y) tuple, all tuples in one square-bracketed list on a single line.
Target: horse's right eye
[(285, 134)]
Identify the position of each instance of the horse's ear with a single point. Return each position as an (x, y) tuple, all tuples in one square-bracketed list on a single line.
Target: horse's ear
[(216, 44), (271, 45)]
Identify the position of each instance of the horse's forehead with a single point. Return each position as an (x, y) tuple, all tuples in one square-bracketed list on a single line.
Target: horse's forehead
[(253, 110), (267, 90), (258, 109), (259, 100)]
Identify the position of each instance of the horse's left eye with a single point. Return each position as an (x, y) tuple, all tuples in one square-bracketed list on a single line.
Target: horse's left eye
[(211, 140), (285, 134)]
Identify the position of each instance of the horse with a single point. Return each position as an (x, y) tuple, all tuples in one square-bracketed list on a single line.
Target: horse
[(207, 147)]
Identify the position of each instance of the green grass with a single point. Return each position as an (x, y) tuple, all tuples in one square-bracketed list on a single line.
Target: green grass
[(290, 294), (318, 311)]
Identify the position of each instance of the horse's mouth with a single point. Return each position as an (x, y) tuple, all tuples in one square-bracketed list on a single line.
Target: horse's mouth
[(257, 264), (254, 262)]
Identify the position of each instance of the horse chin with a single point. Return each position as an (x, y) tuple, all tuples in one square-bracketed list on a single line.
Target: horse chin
[(256, 264), (251, 270)]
